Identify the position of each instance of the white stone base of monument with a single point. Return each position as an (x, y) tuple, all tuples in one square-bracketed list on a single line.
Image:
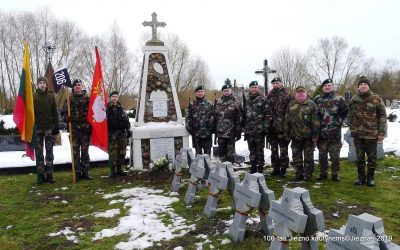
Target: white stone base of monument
[(161, 136)]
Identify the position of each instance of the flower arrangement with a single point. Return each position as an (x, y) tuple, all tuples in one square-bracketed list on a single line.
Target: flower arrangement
[(162, 164)]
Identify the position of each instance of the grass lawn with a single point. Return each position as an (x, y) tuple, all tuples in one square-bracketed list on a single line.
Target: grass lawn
[(29, 213)]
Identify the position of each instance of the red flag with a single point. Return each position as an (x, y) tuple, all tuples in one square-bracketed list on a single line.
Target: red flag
[(97, 116), (24, 114)]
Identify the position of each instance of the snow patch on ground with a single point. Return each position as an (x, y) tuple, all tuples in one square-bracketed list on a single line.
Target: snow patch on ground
[(143, 221)]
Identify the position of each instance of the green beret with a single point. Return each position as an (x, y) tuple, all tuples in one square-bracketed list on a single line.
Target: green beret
[(199, 87), (114, 93), (363, 79), (42, 78), (227, 86), (300, 89), (76, 81), (253, 83), (329, 80), (276, 79)]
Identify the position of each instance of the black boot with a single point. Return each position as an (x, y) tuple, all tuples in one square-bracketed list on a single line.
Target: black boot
[(335, 177), (260, 169), (40, 179), (361, 175), (49, 178), (282, 172), (86, 176), (322, 177), (253, 168), (120, 171), (275, 171), (370, 177)]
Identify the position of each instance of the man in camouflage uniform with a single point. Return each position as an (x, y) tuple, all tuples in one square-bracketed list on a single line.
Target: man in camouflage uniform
[(279, 98), (199, 122), (46, 118), (81, 129), (332, 112), (227, 121), (118, 134), (302, 127), (256, 124), (367, 120)]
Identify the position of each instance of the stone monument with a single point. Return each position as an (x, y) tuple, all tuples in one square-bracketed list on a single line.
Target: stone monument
[(182, 161), (294, 212), (222, 178), (251, 193), (199, 169), (159, 128), (364, 231)]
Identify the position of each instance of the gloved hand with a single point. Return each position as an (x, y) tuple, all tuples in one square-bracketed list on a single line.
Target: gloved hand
[(238, 136), (55, 130), (68, 119), (128, 134)]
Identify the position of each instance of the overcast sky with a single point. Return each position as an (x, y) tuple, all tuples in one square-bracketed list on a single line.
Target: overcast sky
[(234, 37)]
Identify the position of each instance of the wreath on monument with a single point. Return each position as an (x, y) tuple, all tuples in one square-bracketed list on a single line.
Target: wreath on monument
[(162, 164)]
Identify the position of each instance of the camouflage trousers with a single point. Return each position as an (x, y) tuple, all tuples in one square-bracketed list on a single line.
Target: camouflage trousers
[(202, 145), (331, 146), (366, 147), (45, 165), (256, 144), (226, 148), (299, 147), (117, 143), (80, 146), (279, 143)]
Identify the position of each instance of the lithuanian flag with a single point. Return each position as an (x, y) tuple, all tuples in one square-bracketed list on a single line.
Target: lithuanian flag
[(24, 114)]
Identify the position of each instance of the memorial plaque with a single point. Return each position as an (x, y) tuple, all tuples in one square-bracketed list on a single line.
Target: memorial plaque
[(159, 147)]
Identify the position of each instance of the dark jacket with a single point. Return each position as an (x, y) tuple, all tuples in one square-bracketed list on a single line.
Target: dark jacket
[(332, 112), (199, 118), (367, 116), (79, 110), (256, 120), (227, 117), (117, 119), (46, 116), (279, 100)]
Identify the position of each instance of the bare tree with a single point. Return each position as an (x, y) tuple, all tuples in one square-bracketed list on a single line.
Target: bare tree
[(291, 67), (332, 58)]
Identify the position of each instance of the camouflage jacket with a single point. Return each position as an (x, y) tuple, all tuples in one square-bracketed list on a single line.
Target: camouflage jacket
[(301, 120), (199, 118), (279, 100), (227, 117), (256, 119), (332, 112), (117, 119), (367, 116), (79, 110), (46, 115)]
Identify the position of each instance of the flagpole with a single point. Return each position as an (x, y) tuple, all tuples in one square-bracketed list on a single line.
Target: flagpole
[(70, 140)]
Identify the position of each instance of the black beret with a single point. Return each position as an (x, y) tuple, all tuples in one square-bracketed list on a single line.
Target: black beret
[(363, 79), (300, 88), (76, 81), (199, 87), (276, 79), (114, 93), (253, 83), (329, 80), (42, 78), (227, 86)]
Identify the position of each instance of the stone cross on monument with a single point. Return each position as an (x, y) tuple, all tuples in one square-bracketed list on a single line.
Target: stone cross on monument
[(154, 24)]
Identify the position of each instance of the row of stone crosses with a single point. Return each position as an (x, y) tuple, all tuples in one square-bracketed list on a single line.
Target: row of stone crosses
[(292, 217)]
